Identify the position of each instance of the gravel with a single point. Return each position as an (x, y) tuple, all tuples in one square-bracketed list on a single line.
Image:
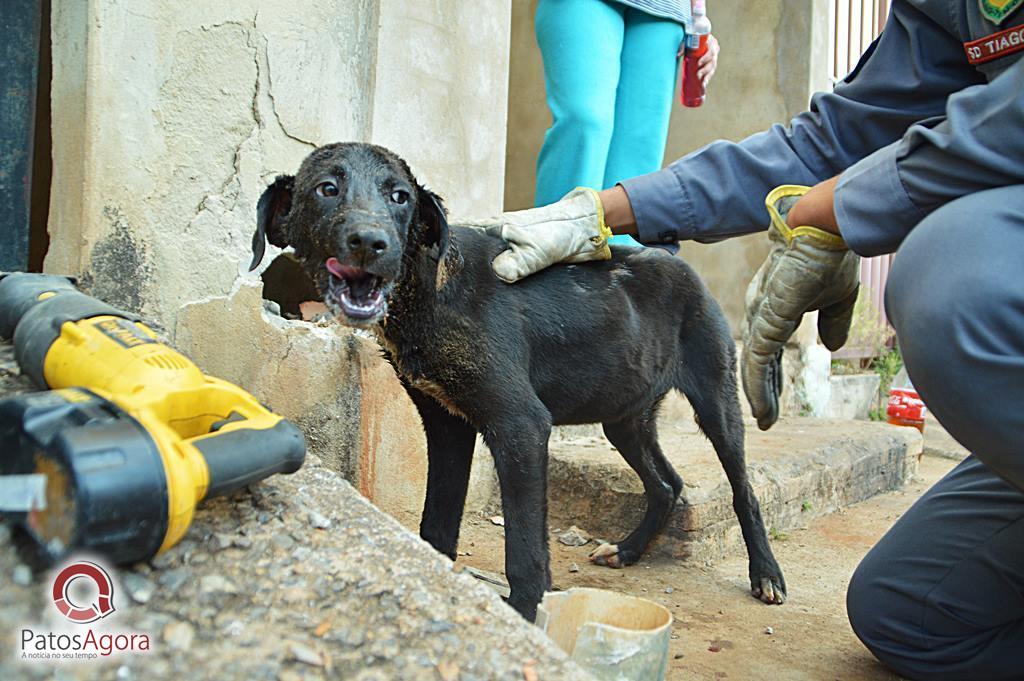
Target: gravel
[(574, 536), (138, 587), (319, 521), (21, 575), (179, 635)]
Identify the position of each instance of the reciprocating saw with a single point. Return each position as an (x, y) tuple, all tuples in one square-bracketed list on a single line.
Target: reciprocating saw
[(132, 435)]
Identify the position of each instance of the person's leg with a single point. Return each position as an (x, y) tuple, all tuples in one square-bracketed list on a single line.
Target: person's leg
[(942, 595), (643, 101), (580, 41), (956, 298)]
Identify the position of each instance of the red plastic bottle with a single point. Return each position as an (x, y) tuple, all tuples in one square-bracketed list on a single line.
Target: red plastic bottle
[(906, 408), (696, 47)]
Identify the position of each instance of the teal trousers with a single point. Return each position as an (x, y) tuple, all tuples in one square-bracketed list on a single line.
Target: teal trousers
[(610, 72)]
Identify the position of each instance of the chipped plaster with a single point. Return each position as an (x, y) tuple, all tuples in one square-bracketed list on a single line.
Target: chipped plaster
[(171, 118)]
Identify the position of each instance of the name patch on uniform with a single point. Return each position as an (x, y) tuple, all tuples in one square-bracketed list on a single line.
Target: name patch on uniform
[(995, 46)]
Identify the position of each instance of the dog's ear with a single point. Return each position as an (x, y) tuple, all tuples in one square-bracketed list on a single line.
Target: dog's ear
[(271, 213), (432, 214)]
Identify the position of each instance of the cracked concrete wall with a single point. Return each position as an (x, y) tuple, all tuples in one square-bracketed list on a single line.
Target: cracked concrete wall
[(171, 118), (442, 90), (187, 112)]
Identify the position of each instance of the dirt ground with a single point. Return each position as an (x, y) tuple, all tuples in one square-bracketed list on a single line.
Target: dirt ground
[(720, 632)]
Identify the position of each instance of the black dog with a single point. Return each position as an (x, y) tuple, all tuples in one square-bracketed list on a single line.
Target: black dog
[(600, 342)]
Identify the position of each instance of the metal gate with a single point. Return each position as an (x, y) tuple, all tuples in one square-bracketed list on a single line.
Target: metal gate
[(853, 25)]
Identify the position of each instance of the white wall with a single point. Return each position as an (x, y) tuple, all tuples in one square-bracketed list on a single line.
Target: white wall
[(170, 118)]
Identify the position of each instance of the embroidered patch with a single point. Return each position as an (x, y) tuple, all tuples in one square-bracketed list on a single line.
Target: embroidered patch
[(997, 10), (996, 45)]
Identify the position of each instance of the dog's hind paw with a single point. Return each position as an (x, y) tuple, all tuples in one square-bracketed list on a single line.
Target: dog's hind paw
[(768, 590), (607, 555)]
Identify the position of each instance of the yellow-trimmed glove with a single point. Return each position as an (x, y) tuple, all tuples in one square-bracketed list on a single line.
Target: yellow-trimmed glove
[(571, 230), (807, 269)]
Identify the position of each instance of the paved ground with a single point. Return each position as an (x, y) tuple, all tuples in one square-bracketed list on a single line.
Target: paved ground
[(720, 631)]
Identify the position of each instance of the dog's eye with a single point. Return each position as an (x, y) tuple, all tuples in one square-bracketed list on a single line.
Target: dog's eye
[(327, 189), (399, 196)]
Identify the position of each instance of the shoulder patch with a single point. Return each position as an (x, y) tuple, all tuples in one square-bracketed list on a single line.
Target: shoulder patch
[(996, 11)]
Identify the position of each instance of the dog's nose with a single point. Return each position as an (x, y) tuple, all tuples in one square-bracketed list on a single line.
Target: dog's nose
[(367, 242)]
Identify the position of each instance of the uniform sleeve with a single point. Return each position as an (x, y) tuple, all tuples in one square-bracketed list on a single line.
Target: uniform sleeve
[(978, 145), (718, 191)]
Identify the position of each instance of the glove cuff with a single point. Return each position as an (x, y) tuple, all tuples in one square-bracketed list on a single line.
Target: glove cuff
[(604, 232), (778, 207)]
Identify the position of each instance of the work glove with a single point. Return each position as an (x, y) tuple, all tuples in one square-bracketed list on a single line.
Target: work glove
[(571, 230), (807, 269)]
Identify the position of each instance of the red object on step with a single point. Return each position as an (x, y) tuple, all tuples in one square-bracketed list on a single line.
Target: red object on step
[(696, 47), (906, 408)]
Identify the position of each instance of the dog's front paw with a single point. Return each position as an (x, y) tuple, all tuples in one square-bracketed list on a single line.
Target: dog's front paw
[(768, 585)]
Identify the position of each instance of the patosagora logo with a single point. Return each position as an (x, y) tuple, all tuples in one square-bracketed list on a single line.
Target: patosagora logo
[(83, 614), (83, 593)]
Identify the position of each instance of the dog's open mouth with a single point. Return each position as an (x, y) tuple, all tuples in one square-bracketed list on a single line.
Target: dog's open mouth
[(357, 293)]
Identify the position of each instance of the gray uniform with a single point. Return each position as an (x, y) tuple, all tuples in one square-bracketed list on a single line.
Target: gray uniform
[(931, 151)]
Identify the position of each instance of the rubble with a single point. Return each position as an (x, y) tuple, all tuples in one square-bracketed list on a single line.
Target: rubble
[(574, 536)]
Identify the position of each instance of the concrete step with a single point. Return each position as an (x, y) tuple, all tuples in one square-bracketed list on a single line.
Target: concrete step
[(852, 396), (937, 442), (801, 469)]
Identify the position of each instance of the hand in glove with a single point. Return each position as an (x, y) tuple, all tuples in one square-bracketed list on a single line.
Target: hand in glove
[(807, 269), (571, 230)]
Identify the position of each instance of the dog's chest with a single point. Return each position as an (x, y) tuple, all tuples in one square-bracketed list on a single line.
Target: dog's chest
[(416, 368), (438, 392)]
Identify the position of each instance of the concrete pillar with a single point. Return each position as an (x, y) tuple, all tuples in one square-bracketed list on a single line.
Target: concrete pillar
[(171, 118)]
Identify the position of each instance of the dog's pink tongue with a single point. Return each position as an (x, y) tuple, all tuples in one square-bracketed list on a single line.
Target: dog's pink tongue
[(339, 270)]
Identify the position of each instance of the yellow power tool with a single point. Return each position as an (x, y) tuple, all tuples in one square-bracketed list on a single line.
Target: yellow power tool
[(133, 435)]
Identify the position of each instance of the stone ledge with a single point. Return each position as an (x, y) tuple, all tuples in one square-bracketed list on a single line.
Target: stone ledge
[(802, 468), (260, 589), (298, 577), (938, 442)]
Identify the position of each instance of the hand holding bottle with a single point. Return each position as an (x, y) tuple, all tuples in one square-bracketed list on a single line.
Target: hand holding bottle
[(700, 57)]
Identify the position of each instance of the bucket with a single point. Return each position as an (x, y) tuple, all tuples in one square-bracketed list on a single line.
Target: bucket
[(613, 636)]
